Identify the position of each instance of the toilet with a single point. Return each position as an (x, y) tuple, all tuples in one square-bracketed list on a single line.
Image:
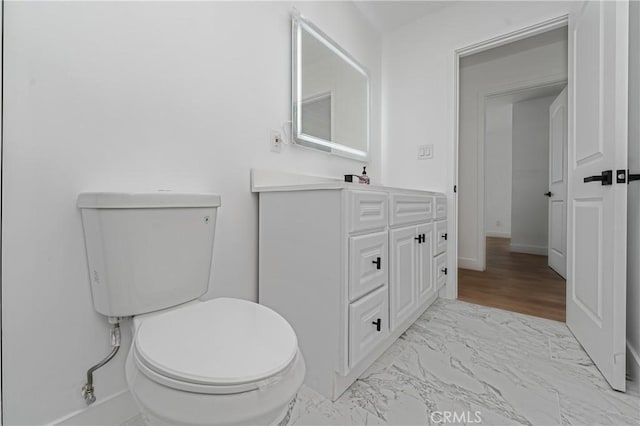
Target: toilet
[(217, 362)]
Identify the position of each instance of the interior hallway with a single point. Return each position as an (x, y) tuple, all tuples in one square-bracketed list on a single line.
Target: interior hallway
[(515, 282)]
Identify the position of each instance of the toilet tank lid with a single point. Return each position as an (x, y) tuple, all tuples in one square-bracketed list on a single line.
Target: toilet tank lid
[(146, 200)]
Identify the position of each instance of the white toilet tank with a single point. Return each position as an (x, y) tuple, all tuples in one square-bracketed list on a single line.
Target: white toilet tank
[(148, 251)]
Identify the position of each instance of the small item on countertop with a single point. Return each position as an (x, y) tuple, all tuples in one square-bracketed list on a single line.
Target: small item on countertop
[(364, 178)]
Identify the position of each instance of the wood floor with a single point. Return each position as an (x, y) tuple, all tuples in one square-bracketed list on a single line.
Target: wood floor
[(515, 282)]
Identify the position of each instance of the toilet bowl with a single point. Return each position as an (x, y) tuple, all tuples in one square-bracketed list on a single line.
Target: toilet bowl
[(217, 362), (220, 362)]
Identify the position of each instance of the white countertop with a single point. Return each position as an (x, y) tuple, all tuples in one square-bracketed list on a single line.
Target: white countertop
[(270, 181)]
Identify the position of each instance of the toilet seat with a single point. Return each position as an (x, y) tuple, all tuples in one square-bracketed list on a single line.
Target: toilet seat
[(221, 346)]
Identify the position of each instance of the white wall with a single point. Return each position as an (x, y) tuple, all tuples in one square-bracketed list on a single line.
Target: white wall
[(633, 252), (419, 90), (135, 97), (529, 207), (498, 134)]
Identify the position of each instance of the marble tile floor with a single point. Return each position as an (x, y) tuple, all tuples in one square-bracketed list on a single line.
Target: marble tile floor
[(488, 366)]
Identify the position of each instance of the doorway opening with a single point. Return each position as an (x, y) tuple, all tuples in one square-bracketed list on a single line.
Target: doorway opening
[(598, 129), (512, 176)]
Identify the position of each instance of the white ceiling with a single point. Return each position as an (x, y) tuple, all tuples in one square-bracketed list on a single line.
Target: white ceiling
[(389, 15)]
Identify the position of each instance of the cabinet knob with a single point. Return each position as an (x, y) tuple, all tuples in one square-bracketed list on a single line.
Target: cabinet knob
[(444, 236), (377, 323), (377, 262), (421, 238), (444, 271)]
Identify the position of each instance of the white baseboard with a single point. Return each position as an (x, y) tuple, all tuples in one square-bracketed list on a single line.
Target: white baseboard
[(524, 248), (116, 409), (466, 263), (497, 234), (633, 370)]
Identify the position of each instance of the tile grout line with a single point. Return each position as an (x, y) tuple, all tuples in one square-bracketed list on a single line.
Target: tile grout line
[(559, 407)]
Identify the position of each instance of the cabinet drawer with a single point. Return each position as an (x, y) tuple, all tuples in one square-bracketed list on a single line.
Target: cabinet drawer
[(441, 208), (364, 317), (368, 263), (440, 270), (368, 210), (407, 209), (440, 240)]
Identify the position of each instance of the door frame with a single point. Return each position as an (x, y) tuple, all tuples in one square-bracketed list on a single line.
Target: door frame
[(458, 54)]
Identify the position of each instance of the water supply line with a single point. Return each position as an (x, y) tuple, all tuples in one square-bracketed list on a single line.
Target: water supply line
[(87, 389)]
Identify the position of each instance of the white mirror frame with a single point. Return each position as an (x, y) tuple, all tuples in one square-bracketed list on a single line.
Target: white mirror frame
[(298, 25)]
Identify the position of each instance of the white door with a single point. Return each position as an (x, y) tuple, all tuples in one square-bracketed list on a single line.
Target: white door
[(558, 184), (402, 282), (596, 243)]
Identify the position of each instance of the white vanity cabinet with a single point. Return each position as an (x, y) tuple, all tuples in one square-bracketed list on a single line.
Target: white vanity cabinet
[(350, 266)]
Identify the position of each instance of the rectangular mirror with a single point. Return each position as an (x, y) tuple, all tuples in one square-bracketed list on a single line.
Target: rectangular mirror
[(330, 105)]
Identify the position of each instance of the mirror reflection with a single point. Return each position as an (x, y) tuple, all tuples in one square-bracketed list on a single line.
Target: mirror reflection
[(331, 95)]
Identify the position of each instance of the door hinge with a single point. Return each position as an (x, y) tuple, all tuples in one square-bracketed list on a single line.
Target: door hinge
[(455, 188)]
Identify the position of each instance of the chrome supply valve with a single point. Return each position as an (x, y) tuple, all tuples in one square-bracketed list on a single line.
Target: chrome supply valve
[(88, 391), (87, 394)]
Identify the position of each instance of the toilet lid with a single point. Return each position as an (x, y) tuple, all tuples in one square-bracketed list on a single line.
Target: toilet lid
[(218, 342)]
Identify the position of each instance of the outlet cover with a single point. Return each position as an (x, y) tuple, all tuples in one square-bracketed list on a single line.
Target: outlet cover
[(275, 141)]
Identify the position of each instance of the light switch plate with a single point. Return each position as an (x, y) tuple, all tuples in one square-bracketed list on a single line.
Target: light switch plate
[(425, 152)]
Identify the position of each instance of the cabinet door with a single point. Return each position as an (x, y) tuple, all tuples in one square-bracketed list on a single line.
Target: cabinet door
[(368, 263), (426, 285), (368, 324), (402, 282)]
